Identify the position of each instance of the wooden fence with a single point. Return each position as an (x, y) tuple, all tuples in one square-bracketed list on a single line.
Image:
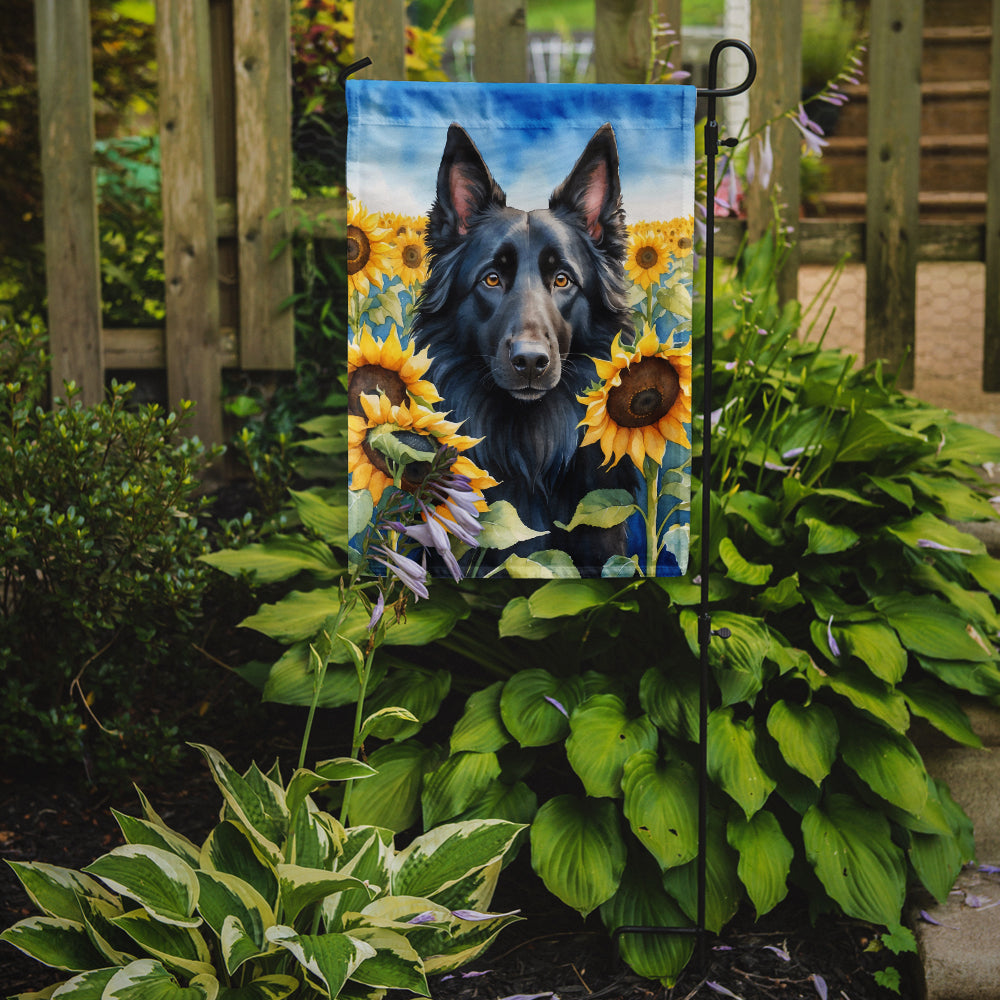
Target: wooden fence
[(226, 160)]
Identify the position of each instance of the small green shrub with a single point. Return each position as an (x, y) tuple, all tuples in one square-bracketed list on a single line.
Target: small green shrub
[(280, 899), (100, 580)]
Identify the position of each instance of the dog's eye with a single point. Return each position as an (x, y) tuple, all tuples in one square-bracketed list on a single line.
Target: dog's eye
[(561, 280), (492, 279)]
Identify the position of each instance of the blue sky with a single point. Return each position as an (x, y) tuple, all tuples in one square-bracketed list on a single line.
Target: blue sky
[(530, 136)]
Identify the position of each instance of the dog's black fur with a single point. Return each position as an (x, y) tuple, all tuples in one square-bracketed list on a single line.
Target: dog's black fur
[(515, 304)]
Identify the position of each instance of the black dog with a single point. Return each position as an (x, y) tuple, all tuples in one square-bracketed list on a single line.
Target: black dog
[(515, 304)]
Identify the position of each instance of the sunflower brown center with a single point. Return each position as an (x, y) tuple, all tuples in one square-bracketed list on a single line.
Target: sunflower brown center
[(373, 379), (358, 249), (412, 255), (684, 243), (646, 257), (648, 389)]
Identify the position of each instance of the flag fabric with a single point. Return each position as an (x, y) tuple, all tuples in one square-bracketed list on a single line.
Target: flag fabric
[(519, 303)]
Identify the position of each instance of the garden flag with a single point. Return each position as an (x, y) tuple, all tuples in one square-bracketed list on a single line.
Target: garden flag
[(519, 360)]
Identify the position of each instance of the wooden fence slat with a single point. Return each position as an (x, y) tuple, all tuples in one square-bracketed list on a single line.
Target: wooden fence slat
[(262, 61), (991, 331), (190, 252), (72, 256), (892, 215), (621, 40), (380, 34), (776, 35), (501, 41)]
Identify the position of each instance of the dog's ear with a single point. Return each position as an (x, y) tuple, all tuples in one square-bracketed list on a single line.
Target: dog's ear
[(592, 190), (465, 186)]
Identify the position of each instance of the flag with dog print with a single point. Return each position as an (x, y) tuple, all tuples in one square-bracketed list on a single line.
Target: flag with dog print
[(519, 299)]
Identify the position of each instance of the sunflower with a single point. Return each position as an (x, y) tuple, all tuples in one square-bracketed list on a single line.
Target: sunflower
[(368, 467), (367, 248), (397, 222), (648, 255), (678, 234), (408, 256), (643, 403), (386, 366)]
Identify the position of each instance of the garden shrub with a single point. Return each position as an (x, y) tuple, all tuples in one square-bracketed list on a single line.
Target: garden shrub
[(101, 584), (854, 603)]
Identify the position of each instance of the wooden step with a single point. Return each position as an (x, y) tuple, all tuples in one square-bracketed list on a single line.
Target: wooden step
[(945, 12), (956, 53), (957, 206)]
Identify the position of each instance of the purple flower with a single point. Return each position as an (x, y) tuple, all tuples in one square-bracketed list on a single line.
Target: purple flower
[(427, 917), (811, 132), (761, 162), (431, 535), (780, 952), (558, 705), (411, 573), (377, 612), (719, 988), (475, 915), (834, 648), (820, 983), (927, 543)]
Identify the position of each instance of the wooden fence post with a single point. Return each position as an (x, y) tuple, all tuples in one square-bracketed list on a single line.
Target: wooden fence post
[(72, 255), (991, 331), (190, 251), (501, 41), (380, 34), (623, 38), (776, 34), (262, 61), (893, 183)]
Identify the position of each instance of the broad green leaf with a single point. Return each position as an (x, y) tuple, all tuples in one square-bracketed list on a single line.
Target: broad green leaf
[(238, 945), (661, 800), (738, 569), (807, 736), (957, 501), (602, 509), (54, 941), (561, 598), (273, 987), (501, 527), (292, 680), (56, 891), (738, 661), (98, 914), (230, 849), (783, 595), (438, 859), (932, 628), (732, 760), (517, 620), (578, 851), (516, 803), (893, 488), (481, 728), (976, 678), (876, 645), (870, 436), (671, 700), (941, 709), (418, 690), (937, 860), (385, 439), (147, 979), (391, 798), (986, 571), (328, 520), (395, 964), (225, 897), (142, 831), (301, 887), (530, 706), (366, 856), (330, 959), (640, 901), (969, 444), (456, 784), (550, 564), (850, 848), (360, 508), (976, 605), (602, 737), (758, 511), (866, 692), (181, 948), (928, 528), (827, 539), (765, 858), (888, 763), (163, 884), (279, 558)]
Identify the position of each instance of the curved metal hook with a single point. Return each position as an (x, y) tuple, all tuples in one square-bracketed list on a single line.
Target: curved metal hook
[(713, 69), (353, 68)]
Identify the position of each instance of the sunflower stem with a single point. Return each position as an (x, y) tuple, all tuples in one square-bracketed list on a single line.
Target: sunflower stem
[(650, 470)]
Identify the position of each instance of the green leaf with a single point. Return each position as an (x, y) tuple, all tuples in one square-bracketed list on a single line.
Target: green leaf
[(391, 798), (181, 948), (527, 711), (561, 598), (224, 897), (86, 986), (501, 527), (327, 520), (481, 727), (932, 628), (732, 760), (850, 848), (549, 564), (418, 690), (330, 959), (279, 558), (870, 436), (738, 661), (807, 736), (56, 891), (976, 678), (941, 709), (888, 763), (958, 502), (517, 620), (516, 803), (760, 512), (456, 784), (301, 887), (783, 595), (147, 979), (54, 941), (275, 987), (385, 723), (602, 738), (360, 508), (141, 831), (765, 858), (395, 964), (577, 850), (163, 884), (602, 509), (661, 799), (385, 439), (671, 700), (927, 527), (828, 539), (876, 646), (230, 849), (866, 692), (304, 782), (738, 569)]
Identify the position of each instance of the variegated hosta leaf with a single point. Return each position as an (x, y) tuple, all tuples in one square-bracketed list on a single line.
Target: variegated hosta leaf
[(661, 805), (86, 986), (56, 891), (467, 940), (225, 897), (765, 858), (315, 838), (158, 880), (481, 727), (602, 737), (395, 964), (807, 736), (116, 946), (177, 947), (54, 941), (274, 987), (850, 847), (642, 902), (578, 851), (441, 857), (300, 887), (230, 849), (141, 831), (304, 782), (732, 760), (456, 784), (367, 853), (328, 959), (147, 979), (476, 890)]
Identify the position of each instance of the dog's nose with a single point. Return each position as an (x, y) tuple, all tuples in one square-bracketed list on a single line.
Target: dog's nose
[(528, 360)]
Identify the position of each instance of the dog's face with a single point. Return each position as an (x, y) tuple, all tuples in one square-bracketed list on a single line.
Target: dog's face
[(522, 286)]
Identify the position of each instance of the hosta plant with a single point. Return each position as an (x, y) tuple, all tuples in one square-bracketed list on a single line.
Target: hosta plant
[(279, 900)]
